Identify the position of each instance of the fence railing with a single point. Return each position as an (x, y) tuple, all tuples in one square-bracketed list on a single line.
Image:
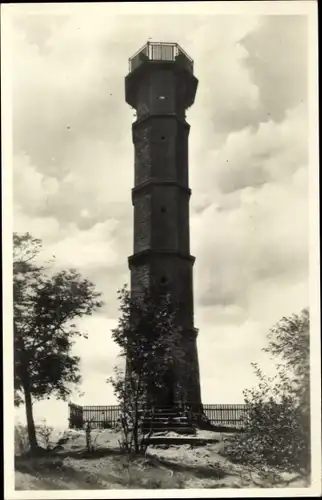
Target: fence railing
[(160, 51), (230, 415), (107, 416)]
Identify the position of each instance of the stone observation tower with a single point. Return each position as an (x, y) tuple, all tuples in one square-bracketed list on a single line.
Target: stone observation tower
[(161, 86)]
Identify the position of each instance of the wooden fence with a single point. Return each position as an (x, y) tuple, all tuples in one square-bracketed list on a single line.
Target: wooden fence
[(230, 415), (107, 416)]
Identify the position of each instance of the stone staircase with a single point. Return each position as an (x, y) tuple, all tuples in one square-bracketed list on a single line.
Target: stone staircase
[(169, 419)]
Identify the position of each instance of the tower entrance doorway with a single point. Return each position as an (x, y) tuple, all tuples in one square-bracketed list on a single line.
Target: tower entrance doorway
[(164, 395)]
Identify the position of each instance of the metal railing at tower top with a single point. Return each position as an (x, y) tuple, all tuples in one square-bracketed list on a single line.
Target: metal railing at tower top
[(161, 51)]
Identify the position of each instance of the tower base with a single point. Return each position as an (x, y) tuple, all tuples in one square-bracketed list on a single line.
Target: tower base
[(177, 418), (169, 419)]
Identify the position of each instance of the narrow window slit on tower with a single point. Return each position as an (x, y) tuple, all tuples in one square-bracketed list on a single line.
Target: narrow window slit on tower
[(163, 210)]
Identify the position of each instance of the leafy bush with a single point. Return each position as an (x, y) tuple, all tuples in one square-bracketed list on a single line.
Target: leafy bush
[(21, 440), (275, 434), (277, 419), (107, 425), (44, 433)]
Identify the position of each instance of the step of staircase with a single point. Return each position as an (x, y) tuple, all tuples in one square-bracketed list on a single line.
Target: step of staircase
[(159, 427), (168, 419), (168, 441), (178, 430)]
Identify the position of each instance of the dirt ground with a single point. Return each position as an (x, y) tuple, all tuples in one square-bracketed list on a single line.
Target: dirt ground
[(163, 467)]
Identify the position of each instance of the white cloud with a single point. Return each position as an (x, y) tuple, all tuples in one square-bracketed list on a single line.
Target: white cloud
[(45, 228), (31, 187), (92, 248)]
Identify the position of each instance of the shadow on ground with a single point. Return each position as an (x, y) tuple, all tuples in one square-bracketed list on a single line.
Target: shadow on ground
[(105, 469)]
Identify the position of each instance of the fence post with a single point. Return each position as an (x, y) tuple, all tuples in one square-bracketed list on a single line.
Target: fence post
[(69, 415)]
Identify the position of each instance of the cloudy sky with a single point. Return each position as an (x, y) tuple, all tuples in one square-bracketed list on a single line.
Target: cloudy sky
[(73, 173)]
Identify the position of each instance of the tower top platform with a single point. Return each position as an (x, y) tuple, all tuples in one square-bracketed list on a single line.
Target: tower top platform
[(161, 51)]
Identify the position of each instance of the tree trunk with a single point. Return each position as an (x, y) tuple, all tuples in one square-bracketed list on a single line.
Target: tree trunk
[(30, 420)]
